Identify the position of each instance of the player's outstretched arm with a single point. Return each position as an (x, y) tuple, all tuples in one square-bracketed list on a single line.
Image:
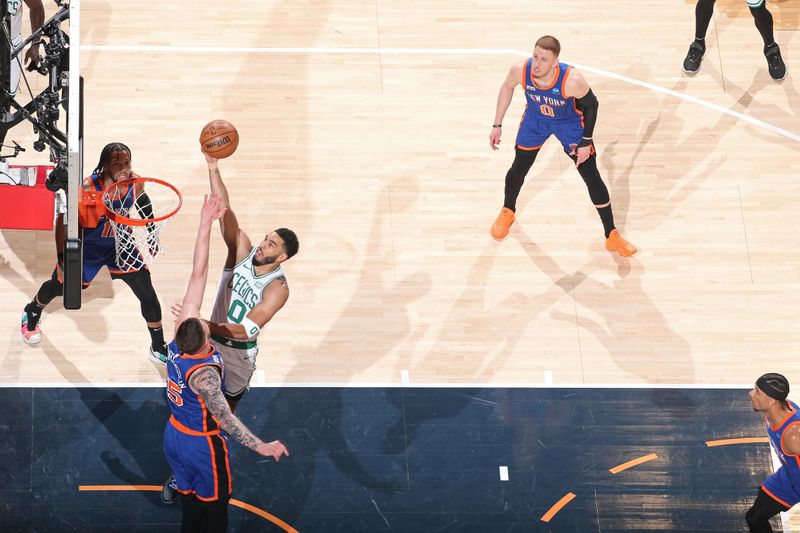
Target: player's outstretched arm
[(235, 239), (212, 210), (207, 383)]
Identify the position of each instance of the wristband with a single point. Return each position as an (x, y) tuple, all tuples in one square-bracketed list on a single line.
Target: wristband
[(497, 125), (251, 329)]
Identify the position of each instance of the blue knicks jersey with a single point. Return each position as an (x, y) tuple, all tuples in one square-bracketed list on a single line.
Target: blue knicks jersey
[(789, 461), (98, 242), (188, 408), (548, 103)]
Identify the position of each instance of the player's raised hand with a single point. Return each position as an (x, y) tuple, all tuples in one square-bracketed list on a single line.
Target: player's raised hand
[(176, 309), (494, 138), (212, 209), (210, 160), (274, 449)]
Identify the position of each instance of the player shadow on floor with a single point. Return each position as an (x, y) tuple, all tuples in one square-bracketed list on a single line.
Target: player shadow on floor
[(100, 292), (137, 432), (696, 159), (310, 423), (485, 336)]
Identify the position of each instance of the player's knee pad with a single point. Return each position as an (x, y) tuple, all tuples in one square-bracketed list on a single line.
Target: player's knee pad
[(49, 290), (598, 191)]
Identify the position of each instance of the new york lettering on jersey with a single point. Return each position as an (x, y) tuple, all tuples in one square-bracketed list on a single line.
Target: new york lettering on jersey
[(548, 102)]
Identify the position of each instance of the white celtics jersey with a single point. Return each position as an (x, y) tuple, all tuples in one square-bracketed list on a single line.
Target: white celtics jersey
[(240, 289)]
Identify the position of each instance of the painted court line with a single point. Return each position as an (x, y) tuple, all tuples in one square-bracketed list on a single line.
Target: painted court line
[(394, 385), (157, 488), (630, 464), (439, 51), (728, 442), (503, 473), (557, 507)]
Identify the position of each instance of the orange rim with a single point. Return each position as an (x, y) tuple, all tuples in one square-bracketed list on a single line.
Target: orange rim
[(122, 219)]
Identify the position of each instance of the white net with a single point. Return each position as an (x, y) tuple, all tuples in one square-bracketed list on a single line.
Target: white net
[(138, 209)]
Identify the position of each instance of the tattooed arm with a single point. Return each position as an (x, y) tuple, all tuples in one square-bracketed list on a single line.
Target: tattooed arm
[(207, 383)]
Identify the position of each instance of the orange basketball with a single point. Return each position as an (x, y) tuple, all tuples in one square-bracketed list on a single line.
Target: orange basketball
[(219, 139)]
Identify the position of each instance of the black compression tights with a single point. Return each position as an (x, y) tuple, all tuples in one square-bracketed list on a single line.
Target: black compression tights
[(523, 160), (140, 283), (702, 18), (704, 10), (763, 509), (515, 177)]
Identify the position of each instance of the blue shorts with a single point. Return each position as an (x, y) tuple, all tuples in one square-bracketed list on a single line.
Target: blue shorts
[(534, 132), (780, 488), (97, 259), (200, 463)]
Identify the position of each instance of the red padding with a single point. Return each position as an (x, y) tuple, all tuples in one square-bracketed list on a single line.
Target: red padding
[(25, 207)]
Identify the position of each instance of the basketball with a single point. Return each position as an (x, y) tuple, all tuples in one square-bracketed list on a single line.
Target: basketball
[(219, 139)]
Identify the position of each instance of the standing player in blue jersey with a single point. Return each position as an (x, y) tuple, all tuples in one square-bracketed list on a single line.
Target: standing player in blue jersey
[(195, 439), (560, 103), (99, 251), (781, 490)]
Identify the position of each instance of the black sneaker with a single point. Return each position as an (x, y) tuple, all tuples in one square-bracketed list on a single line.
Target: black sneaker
[(169, 491), (158, 357), (692, 62), (777, 68)]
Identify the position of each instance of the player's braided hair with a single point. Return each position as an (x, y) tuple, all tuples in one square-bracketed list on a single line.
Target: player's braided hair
[(105, 155)]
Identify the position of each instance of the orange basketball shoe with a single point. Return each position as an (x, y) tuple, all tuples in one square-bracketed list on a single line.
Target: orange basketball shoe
[(503, 223), (615, 243)]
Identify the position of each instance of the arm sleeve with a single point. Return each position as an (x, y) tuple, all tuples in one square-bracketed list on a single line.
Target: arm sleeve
[(588, 106)]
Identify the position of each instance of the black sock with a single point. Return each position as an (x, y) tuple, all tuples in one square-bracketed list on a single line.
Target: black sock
[(607, 217), (763, 20), (34, 311), (157, 339), (703, 12)]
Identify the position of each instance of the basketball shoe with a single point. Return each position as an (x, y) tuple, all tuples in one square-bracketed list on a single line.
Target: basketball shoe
[(692, 62), (33, 336), (503, 223), (615, 243), (777, 68), (170, 490), (157, 356)]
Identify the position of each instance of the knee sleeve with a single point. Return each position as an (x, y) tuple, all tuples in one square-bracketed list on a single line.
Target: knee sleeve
[(598, 191), (50, 289), (141, 284)]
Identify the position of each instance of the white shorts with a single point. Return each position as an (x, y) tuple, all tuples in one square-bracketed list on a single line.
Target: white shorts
[(15, 69), (239, 367)]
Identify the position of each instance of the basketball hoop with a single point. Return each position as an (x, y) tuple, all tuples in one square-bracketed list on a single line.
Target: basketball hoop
[(137, 208)]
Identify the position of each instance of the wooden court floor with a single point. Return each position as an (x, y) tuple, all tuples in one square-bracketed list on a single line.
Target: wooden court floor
[(364, 126)]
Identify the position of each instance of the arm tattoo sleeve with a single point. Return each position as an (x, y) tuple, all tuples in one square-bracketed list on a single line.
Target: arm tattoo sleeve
[(207, 383)]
